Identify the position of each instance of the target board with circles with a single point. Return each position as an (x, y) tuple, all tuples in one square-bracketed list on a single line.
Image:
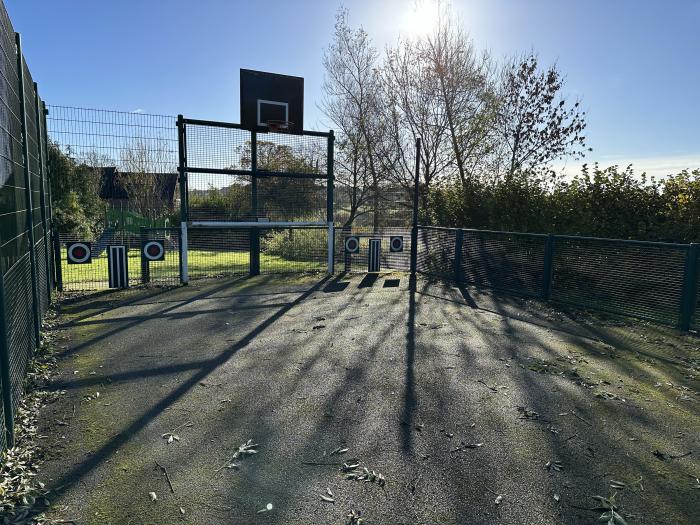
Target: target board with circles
[(154, 250), (79, 252), (352, 244), (396, 243)]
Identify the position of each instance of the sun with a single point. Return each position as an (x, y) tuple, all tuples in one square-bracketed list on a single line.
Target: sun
[(421, 17)]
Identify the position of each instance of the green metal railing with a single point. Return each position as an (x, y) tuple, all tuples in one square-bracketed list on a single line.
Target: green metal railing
[(26, 267), (646, 280)]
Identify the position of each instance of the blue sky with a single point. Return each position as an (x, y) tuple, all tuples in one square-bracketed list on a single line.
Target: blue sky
[(634, 64)]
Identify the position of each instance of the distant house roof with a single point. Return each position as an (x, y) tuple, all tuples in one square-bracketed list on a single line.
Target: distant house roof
[(112, 187)]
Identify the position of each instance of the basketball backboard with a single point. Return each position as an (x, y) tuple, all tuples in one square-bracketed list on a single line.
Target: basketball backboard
[(270, 101)]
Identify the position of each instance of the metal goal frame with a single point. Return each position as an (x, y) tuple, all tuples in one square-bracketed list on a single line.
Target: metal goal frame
[(254, 227)]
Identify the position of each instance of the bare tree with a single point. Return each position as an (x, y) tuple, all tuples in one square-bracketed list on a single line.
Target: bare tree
[(536, 124), (147, 169), (413, 110), (351, 100), (465, 91)]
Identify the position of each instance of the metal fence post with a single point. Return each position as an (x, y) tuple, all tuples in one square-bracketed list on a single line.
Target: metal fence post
[(414, 229), (457, 263), (330, 185), (254, 257), (57, 260), (145, 266), (347, 257), (5, 367), (331, 176), (548, 267), (690, 287), (28, 192), (42, 194), (184, 216), (49, 204)]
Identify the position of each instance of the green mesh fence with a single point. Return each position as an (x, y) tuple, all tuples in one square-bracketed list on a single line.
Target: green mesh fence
[(3, 430), (436, 251), (501, 260), (358, 262), (25, 222), (695, 322), (647, 280), (639, 279), (161, 272), (21, 340)]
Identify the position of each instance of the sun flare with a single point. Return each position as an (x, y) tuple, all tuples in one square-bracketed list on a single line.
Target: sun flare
[(421, 17)]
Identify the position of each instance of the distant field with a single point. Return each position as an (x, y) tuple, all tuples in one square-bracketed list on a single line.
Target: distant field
[(202, 263)]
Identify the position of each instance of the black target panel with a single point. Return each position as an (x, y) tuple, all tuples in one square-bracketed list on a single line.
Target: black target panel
[(79, 252), (154, 250), (374, 260), (396, 243), (270, 96), (118, 266), (352, 244)]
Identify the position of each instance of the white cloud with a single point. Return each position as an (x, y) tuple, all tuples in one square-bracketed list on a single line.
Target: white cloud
[(137, 110), (659, 166)]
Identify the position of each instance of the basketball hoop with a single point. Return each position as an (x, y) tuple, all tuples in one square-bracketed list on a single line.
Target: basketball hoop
[(279, 125)]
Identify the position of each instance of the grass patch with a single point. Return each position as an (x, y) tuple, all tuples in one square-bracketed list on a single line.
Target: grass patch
[(202, 263)]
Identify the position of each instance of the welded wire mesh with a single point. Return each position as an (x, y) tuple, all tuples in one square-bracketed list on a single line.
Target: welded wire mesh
[(218, 252), (695, 320), (436, 251), (355, 203), (95, 274), (19, 318), (12, 196), (293, 250), (215, 147), (130, 159), (22, 263), (42, 276), (298, 193), (215, 252), (3, 430), (167, 271), (130, 141), (500, 260), (219, 197), (359, 262), (283, 152), (639, 279), (289, 199)]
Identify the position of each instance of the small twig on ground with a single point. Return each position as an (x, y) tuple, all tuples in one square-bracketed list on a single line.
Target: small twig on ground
[(487, 386), (584, 420), (678, 456), (167, 477), (465, 446), (571, 437), (179, 427)]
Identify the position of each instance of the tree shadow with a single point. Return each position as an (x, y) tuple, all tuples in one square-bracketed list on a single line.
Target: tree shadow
[(79, 471)]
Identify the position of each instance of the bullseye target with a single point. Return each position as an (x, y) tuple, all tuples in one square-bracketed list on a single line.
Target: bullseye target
[(79, 253), (396, 243), (154, 250), (352, 244)]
